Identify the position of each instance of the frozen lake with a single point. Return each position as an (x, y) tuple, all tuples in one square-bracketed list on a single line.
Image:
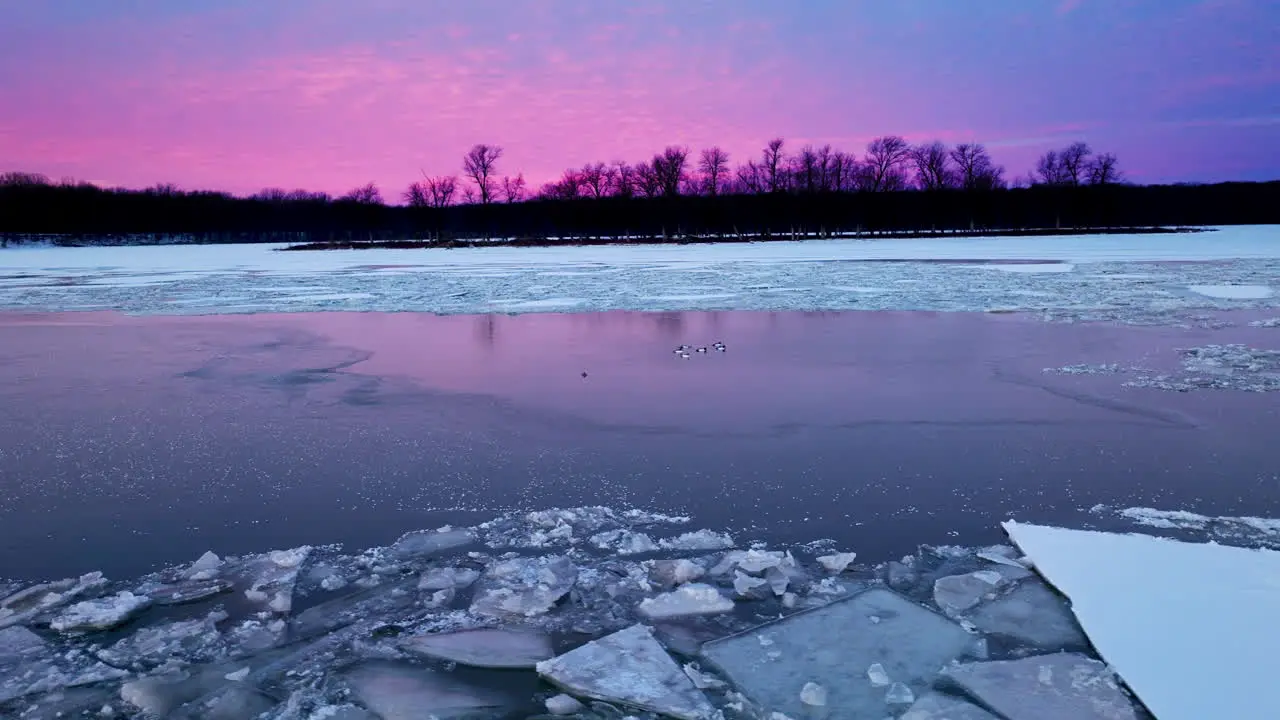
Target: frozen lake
[(1134, 278), (129, 442)]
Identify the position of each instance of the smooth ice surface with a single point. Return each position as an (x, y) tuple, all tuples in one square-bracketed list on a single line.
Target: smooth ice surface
[(685, 601), (17, 642), (485, 648), (956, 594), (1031, 614), (1061, 686), (629, 667), (403, 692), (1190, 627), (1234, 292), (822, 645), (939, 706)]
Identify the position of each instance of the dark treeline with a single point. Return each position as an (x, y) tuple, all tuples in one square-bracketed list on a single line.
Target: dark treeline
[(894, 188)]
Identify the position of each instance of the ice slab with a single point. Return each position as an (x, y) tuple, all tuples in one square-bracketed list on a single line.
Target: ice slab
[(485, 648), (670, 573), (19, 642), (33, 601), (631, 668), (1063, 686), (836, 563), (430, 542), (404, 692), (685, 601), (563, 705), (937, 706), (821, 645), (447, 578), (1158, 610), (956, 594), (1031, 614), (524, 587), (185, 592)]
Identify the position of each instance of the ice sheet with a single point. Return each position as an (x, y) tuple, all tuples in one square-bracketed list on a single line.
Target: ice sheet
[(1190, 627), (1123, 277)]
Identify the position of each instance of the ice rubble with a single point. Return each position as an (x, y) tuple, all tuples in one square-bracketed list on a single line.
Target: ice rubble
[(1210, 367), (1187, 649), (426, 622)]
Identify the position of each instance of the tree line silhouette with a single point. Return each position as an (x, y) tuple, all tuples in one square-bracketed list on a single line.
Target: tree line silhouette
[(894, 187)]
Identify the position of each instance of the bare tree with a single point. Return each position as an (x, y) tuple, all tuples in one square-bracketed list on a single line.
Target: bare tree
[(751, 178), (1103, 170), (713, 163), (365, 195), (1074, 163), (647, 182), (806, 174), (932, 164), (469, 195), (440, 189), (416, 195), (513, 188), (1049, 168), (479, 165), (595, 179), (772, 165), (886, 158), (622, 180), (669, 169), (22, 179), (974, 167)]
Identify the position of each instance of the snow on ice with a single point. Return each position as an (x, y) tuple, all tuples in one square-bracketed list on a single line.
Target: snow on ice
[(1190, 627), (1111, 277)]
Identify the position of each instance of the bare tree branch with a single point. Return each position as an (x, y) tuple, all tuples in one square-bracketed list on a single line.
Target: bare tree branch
[(479, 165), (713, 163)]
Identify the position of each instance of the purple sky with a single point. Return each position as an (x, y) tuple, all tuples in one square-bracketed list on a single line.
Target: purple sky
[(239, 95)]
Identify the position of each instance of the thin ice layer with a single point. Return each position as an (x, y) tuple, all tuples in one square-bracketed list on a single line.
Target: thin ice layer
[(1189, 627)]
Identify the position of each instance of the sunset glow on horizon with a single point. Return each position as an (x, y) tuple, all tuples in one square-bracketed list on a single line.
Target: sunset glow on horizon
[(237, 95)]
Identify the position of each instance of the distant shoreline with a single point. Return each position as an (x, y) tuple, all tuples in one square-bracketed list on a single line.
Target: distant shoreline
[(728, 238)]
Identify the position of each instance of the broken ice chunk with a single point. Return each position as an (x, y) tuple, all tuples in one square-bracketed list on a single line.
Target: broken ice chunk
[(484, 648), (955, 594), (701, 680), (36, 600), (524, 587), (18, 642), (1062, 686), (813, 694), (778, 580), (836, 563), (447, 578), (789, 600), (669, 573), (563, 705), (1031, 614), (937, 706), (100, 614), (745, 585), (208, 563), (184, 592), (238, 675), (877, 675), (624, 542), (629, 667), (899, 694), (429, 542), (834, 643), (685, 601), (698, 540), (404, 692)]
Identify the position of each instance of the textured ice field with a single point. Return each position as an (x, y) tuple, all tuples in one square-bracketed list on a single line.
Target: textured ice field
[(1130, 278)]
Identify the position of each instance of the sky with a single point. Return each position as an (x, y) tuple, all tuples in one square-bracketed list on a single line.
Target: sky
[(239, 95)]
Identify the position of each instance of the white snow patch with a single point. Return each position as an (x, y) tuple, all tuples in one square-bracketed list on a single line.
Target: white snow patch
[(1233, 292), (685, 601), (1189, 627)]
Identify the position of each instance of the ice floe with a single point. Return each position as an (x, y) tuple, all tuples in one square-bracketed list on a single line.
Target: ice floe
[(629, 667), (485, 647), (1132, 596)]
